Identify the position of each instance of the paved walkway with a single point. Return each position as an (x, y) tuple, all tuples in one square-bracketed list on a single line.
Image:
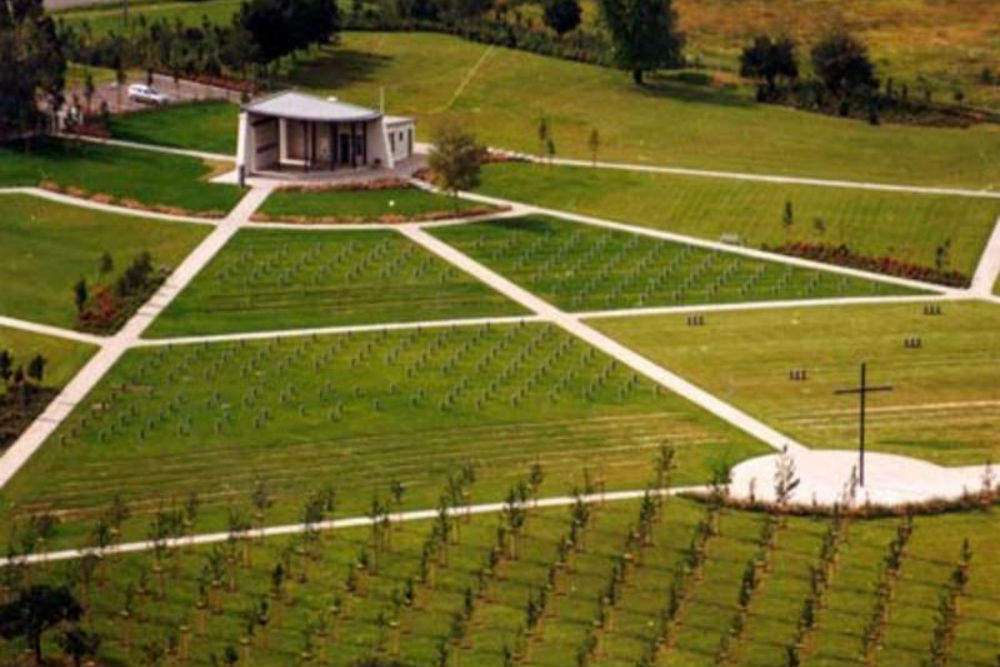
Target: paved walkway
[(825, 479), (321, 331), (762, 305), (755, 177), (156, 148), (630, 358), (49, 330), (352, 522), (113, 348), (503, 213), (988, 270), (106, 208)]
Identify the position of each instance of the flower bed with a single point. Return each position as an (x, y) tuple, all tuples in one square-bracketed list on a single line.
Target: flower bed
[(842, 255), (125, 202)]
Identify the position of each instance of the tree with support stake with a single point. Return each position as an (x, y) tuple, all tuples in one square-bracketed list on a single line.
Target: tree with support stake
[(862, 391)]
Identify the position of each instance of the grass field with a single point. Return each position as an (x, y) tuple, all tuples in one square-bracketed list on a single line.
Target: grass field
[(579, 268), (944, 46), (941, 46), (509, 90), (363, 205), (502, 93), (270, 279), (64, 358), (206, 126), (46, 247), (158, 180), (300, 627), (355, 411), (908, 227), (943, 407)]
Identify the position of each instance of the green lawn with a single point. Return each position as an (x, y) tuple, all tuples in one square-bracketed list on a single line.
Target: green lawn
[(905, 226), (267, 279), (497, 606), (205, 126), (354, 411), (666, 122), (339, 205), (579, 267), (156, 180), (943, 407), (46, 247), (63, 357)]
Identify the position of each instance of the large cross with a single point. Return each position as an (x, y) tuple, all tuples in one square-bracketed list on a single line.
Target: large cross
[(862, 391)]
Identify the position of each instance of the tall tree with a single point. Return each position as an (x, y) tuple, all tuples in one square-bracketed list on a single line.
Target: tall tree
[(770, 60), (644, 34), (842, 63), (562, 15), (35, 610), (33, 65)]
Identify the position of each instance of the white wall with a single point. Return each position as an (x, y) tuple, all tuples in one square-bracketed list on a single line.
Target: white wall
[(378, 144), (399, 137)]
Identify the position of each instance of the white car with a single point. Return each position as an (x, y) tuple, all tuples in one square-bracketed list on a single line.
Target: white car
[(144, 94)]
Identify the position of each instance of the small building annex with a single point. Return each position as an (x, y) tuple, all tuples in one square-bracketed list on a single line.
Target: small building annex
[(292, 131)]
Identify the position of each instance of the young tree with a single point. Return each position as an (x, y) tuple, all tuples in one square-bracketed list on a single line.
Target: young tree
[(594, 143), (842, 64), (88, 91), (107, 263), (36, 368), (769, 60), (33, 66), (562, 15), (644, 34), (78, 644), (34, 611), (80, 294), (456, 159)]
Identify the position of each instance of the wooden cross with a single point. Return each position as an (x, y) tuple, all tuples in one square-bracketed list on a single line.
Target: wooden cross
[(862, 391)]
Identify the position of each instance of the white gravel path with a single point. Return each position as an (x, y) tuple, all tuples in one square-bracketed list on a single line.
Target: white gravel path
[(351, 522), (49, 330), (988, 269), (755, 177), (626, 356), (107, 208)]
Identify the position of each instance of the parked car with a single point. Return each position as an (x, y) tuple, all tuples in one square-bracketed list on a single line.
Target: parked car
[(144, 94)]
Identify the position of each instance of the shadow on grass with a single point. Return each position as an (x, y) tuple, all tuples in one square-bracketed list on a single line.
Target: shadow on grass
[(529, 225), (669, 86), (335, 67)]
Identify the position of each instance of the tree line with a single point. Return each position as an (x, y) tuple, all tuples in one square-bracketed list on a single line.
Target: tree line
[(844, 81)]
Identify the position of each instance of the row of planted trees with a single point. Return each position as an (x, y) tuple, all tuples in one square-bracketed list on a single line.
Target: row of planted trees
[(292, 591)]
